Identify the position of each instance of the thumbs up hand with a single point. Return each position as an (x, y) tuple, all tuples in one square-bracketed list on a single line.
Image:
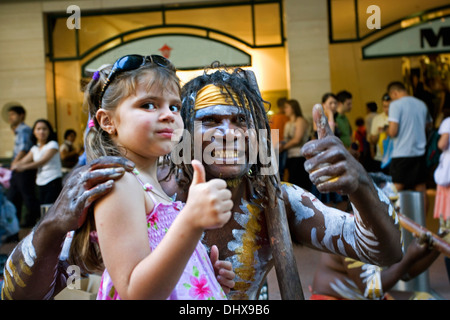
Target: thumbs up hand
[(330, 165), (321, 121), (199, 173), (209, 203)]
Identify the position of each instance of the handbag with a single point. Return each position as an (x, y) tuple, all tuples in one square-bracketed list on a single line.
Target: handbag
[(388, 147), (442, 172)]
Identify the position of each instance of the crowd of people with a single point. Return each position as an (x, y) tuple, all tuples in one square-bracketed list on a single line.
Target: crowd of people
[(152, 237), (38, 165)]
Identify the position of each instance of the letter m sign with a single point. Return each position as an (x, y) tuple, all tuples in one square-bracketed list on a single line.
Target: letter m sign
[(433, 39)]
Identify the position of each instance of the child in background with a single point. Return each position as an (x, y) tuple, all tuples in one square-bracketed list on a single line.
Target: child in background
[(150, 245), (69, 154), (361, 144)]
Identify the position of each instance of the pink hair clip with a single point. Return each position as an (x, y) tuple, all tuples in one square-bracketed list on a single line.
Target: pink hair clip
[(91, 123)]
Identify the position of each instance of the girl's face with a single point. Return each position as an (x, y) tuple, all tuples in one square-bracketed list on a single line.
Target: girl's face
[(41, 132), (288, 109), (331, 103), (145, 122)]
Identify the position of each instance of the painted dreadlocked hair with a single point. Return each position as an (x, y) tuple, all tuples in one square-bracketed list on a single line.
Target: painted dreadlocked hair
[(244, 86)]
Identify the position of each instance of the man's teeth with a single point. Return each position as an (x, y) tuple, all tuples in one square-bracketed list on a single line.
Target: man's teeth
[(225, 154)]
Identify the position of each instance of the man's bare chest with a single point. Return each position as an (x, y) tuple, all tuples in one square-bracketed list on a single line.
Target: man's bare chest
[(244, 242)]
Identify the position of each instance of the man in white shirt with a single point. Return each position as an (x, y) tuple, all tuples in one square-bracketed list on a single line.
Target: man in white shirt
[(408, 120)]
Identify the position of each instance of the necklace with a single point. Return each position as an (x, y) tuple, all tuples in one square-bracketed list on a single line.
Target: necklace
[(148, 187)]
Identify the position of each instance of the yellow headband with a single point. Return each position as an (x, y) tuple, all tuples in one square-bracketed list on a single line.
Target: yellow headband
[(211, 95)]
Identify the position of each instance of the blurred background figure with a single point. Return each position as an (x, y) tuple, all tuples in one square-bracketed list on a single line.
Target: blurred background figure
[(408, 121), (69, 154), (329, 104), (44, 156), (295, 136), (362, 144), (442, 179), (22, 189), (277, 122), (343, 126), (378, 133)]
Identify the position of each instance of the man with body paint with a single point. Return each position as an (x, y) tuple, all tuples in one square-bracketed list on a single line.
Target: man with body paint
[(221, 104)]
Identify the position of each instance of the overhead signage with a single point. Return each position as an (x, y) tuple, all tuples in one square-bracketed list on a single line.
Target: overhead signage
[(425, 38)]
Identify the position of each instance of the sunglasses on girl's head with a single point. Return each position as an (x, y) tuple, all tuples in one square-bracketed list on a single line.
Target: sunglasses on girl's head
[(131, 62)]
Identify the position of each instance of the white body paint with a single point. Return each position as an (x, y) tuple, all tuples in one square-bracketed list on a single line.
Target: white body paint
[(237, 246), (349, 228), (371, 277), (28, 251)]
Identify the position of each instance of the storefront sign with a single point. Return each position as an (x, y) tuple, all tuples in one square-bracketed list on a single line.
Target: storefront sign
[(186, 52), (425, 38)]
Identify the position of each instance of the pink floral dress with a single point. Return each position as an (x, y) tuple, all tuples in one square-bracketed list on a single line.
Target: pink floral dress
[(198, 281)]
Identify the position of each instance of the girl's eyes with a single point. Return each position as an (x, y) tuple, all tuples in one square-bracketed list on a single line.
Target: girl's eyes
[(175, 108), (152, 106), (149, 106)]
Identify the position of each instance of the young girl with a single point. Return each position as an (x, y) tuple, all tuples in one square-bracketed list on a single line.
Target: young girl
[(44, 156), (149, 243)]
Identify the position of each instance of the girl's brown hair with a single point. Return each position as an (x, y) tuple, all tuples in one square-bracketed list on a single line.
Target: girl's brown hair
[(84, 251)]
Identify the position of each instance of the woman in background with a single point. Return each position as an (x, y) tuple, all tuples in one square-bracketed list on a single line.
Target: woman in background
[(295, 136), (44, 156)]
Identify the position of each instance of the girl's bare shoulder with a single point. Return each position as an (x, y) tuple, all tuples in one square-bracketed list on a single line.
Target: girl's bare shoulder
[(124, 194)]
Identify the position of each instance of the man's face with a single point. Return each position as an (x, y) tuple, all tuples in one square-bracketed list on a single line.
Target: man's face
[(14, 118), (225, 140), (394, 94), (347, 105)]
